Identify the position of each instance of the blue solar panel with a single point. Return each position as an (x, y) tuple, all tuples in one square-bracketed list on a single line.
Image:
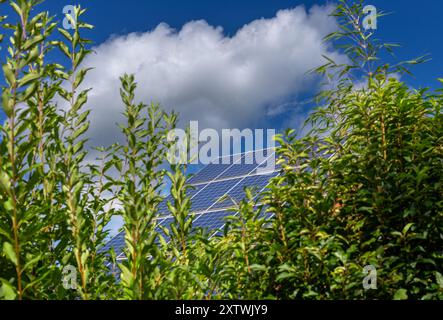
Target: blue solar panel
[(210, 184), (255, 183), (239, 165), (117, 243), (163, 208), (211, 193), (212, 220), (164, 223), (269, 165), (249, 163), (214, 170)]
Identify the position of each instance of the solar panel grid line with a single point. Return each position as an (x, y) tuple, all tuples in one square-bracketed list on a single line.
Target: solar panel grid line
[(215, 178), (109, 242), (245, 153), (250, 165), (208, 183), (227, 169), (202, 212), (255, 181), (241, 156), (206, 211), (241, 180), (241, 176), (191, 197)]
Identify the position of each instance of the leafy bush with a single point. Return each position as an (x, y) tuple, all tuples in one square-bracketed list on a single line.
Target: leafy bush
[(364, 187)]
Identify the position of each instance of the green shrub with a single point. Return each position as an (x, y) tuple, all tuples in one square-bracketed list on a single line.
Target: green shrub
[(364, 187)]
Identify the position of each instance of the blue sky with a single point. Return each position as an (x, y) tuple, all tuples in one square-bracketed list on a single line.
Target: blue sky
[(416, 27)]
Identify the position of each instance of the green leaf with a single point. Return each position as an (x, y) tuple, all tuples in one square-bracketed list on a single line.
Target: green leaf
[(8, 205), (64, 48), (8, 250), (32, 262), (7, 103), (401, 294), (80, 76), (16, 8), (80, 131), (29, 92), (258, 267), (32, 42)]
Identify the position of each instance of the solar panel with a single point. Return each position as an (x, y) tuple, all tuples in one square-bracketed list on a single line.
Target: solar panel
[(217, 180), (211, 220), (256, 183), (211, 193), (246, 165)]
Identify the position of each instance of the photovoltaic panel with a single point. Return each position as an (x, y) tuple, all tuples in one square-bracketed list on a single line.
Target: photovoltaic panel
[(256, 183), (248, 163), (269, 165)]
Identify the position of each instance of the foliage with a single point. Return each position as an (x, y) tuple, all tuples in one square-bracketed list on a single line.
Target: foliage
[(364, 187)]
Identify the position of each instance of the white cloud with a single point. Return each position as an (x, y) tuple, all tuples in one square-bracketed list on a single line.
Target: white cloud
[(224, 82)]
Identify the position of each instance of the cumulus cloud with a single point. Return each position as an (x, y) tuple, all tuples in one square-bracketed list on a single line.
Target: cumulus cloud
[(198, 71)]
